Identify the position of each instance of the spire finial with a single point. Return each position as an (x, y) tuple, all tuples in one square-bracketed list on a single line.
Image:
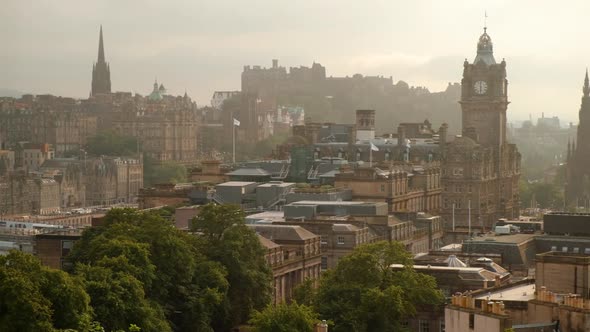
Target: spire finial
[(485, 21)]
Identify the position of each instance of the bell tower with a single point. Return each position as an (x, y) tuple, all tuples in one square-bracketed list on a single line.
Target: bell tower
[(484, 95)]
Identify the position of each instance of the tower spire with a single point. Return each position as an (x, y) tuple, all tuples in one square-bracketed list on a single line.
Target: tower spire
[(586, 88), (101, 72), (101, 57)]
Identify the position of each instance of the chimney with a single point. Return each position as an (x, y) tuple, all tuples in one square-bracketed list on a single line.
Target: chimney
[(321, 327), (497, 281)]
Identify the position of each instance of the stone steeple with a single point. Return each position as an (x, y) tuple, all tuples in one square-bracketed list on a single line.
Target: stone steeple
[(101, 72)]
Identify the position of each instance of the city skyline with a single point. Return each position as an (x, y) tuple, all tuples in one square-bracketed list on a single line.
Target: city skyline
[(205, 49)]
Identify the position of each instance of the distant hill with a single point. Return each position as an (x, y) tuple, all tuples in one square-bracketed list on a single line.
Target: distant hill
[(4, 92)]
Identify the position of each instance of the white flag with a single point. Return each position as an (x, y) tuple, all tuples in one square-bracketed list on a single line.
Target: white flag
[(236, 122), (374, 147)]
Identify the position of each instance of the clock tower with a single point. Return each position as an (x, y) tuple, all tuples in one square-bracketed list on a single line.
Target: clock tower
[(480, 169), (484, 97)]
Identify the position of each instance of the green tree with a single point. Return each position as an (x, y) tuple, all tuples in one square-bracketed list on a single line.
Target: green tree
[(158, 263), (284, 318), (364, 294), (118, 299), (225, 238), (155, 172), (38, 298), (111, 144)]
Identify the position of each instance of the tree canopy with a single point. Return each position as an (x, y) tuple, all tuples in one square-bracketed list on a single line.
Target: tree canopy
[(226, 239), (284, 318), (111, 144), (38, 298), (140, 270), (155, 172), (364, 294)]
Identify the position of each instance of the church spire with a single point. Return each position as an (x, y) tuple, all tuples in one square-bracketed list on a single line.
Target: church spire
[(586, 88), (101, 71), (100, 47)]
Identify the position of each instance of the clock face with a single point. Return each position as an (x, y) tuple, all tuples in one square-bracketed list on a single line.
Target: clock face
[(480, 87)]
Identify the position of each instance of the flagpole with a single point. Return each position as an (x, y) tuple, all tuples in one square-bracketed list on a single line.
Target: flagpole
[(233, 132)]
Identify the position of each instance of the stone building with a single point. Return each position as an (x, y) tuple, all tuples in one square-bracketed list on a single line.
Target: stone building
[(481, 169), (405, 187), (413, 142), (293, 254), (22, 193), (45, 119), (166, 126), (69, 173), (111, 180), (34, 155)]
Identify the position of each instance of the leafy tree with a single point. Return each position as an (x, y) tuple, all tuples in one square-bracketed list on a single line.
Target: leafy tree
[(364, 294), (225, 238), (162, 266), (155, 172), (119, 299), (284, 318), (38, 298), (305, 292), (111, 144)]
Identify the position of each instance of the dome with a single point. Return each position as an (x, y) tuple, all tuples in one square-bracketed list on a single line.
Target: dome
[(485, 49)]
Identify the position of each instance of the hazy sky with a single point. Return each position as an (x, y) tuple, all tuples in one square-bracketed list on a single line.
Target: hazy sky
[(202, 45)]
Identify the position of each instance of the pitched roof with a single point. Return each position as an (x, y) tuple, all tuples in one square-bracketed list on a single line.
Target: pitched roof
[(268, 244), (283, 232)]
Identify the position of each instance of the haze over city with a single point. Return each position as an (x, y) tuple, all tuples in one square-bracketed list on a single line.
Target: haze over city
[(201, 46)]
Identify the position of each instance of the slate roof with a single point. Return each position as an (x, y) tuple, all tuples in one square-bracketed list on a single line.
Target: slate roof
[(268, 244), (283, 232)]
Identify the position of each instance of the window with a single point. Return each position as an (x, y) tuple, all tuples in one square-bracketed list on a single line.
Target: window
[(382, 188), (469, 188), (471, 321), (323, 239), (66, 246), (458, 171), (341, 240), (324, 263), (442, 326), (423, 326)]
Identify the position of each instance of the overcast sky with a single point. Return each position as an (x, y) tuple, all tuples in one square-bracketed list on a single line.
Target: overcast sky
[(49, 46)]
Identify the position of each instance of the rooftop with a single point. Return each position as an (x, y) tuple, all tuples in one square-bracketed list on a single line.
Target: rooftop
[(334, 203), (268, 244), (283, 232), (512, 238), (276, 184), (521, 292), (235, 184), (249, 172)]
